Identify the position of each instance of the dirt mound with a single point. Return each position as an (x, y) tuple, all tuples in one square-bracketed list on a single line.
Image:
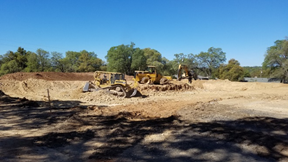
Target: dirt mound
[(51, 76), (167, 87)]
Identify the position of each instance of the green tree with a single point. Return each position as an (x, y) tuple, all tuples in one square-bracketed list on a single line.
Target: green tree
[(138, 60), (119, 59), (246, 73), (9, 56), (71, 61), (33, 64), (9, 67), (21, 58), (43, 60), (233, 71), (188, 60), (1, 60), (125, 59), (13, 62), (58, 62), (103, 67), (209, 61), (89, 62), (153, 57), (256, 71), (167, 67), (38, 62), (276, 60)]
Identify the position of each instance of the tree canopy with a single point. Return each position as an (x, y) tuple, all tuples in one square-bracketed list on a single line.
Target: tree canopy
[(13, 62), (42, 60), (276, 60), (232, 71), (128, 58), (209, 61), (119, 58)]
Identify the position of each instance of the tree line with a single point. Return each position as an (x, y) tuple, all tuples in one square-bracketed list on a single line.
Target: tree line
[(43, 61), (128, 58)]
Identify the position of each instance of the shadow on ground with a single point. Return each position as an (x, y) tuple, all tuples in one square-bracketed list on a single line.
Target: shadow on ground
[(40, 112)]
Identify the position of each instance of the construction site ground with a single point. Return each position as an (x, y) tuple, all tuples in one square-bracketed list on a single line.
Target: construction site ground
[(209, 120)]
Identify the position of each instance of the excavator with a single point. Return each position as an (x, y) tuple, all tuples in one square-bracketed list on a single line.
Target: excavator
[(151, 76), (187, 74)]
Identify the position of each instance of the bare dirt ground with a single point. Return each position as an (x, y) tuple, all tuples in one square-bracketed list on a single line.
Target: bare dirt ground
[(206, 121)]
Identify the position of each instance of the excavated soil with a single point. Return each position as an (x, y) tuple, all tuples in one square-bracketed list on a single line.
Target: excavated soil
[(49, 76), (214, 120)]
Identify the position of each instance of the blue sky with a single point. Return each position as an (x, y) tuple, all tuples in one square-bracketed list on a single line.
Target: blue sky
[(242, 28)]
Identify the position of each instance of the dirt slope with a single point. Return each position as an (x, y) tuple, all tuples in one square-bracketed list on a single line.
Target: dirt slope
[(49, 76)]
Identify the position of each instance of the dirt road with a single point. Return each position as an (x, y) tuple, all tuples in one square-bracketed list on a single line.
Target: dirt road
[(207, 121)]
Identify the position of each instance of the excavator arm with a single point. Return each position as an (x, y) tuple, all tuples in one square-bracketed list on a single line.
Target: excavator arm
[(186, 75)]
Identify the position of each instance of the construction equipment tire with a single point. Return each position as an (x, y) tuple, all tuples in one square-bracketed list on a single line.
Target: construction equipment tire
[(145, 80), (118, 90), (164, 80)]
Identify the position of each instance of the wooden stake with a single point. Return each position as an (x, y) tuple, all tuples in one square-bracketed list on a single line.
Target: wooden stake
[(49, 99)]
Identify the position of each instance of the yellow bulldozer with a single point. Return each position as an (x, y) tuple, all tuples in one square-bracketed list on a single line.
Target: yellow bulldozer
[(150, 76), (114, 82), (185, 73)]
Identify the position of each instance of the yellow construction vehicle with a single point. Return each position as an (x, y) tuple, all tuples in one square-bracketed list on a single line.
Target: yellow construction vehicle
[(113, 82), (187, 74), (151, 76)]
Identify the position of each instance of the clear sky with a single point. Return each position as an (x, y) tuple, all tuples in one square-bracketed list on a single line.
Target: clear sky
[(242, 28)]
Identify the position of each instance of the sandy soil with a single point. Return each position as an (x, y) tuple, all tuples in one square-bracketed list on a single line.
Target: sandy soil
[(206, 121)]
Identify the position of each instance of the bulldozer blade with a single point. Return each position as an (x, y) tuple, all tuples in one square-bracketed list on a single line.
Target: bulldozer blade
[(86, 87), (134, 93)]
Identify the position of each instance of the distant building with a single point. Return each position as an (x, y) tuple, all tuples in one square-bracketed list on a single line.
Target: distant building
[(272, 80), (202, 77), (199, 77)]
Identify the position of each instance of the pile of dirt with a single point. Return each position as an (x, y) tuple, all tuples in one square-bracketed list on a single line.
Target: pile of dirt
[(51, 76), (166, 87), (101, 96)]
